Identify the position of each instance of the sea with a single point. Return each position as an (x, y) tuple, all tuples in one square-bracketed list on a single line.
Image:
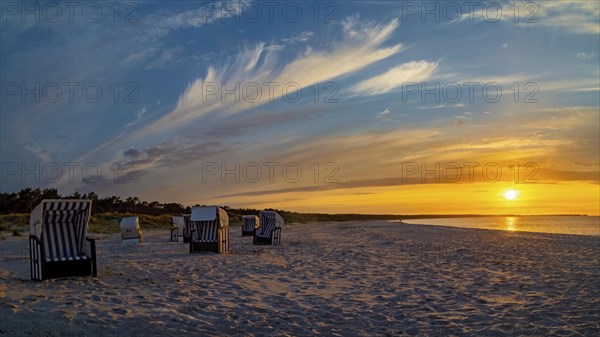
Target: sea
[(579, 225)]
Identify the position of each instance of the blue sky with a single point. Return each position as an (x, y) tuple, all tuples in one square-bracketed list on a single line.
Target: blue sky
[(159, 124)]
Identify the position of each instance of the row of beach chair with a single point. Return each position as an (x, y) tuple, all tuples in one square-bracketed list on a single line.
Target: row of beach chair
[(60, 247), (208, 226)]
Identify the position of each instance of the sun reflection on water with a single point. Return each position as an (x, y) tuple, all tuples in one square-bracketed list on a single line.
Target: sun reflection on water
[(511, 223)]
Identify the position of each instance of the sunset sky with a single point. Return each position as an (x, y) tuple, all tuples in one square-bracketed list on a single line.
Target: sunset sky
[(341, 107)]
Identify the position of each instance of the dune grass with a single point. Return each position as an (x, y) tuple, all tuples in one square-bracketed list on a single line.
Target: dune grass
[(108, 223), (14, 224), (105, 223)]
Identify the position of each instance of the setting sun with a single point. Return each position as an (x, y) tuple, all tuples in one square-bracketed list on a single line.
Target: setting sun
[(511, 195)]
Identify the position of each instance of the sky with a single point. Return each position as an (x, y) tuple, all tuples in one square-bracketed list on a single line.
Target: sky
[(339, 107)]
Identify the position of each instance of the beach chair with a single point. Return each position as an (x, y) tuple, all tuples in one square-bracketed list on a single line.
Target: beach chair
[(269, 232), (130, 230), (187, 228), (58, 242), (178, 228), (250, 224), (209, 229)]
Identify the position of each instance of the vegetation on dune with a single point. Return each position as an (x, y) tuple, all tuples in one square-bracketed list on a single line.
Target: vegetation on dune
[(108, 211), (16, 224), (107, 223)]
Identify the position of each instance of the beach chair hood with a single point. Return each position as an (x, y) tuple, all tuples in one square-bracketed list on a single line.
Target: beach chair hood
[(130, 221), (210, 213), (74, 210), (251, 219), (272, 215)]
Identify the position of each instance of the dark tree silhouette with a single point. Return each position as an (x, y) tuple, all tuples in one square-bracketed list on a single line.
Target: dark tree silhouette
[(26, 199)]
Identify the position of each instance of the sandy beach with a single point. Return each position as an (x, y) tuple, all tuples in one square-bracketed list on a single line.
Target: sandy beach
[(332, 279)]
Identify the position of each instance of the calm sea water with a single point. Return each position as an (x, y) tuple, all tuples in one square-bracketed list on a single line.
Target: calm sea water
[(580, 225)]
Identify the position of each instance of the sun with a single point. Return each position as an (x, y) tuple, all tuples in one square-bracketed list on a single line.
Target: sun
[(511, 195)]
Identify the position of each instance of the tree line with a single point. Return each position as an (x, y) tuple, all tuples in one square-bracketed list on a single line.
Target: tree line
[(26, 199)]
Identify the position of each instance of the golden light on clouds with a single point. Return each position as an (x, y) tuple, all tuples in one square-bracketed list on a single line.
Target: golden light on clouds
[(459, 198)]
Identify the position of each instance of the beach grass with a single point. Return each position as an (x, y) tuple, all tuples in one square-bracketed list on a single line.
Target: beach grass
[(14, 224), (104, 223)]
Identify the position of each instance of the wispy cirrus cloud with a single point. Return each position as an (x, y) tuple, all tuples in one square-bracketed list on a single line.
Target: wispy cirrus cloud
[(301, 37), (574, 16), (387, 116), (361, 45), (148, 48), (415, 71), (584, 56)]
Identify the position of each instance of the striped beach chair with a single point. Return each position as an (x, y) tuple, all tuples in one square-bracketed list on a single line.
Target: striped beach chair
[(187, 228), (209, 229), (130, 230), (58, 242), (269, 232), (178, 228), (250, 224)]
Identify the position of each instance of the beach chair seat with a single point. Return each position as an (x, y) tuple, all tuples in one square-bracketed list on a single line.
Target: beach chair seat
[(130, 230), (178, 229), (250, 223), (209, 229), (269, 232), (58, 242)]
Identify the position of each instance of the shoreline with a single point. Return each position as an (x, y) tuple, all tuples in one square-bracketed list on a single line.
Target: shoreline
[(497, 229)]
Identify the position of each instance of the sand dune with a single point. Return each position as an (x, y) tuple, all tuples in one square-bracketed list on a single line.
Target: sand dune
[(330, 279)]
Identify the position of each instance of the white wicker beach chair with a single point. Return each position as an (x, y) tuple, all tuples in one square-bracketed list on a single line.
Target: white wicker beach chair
[(269, 232), (178, 229), (130, 230), (58, 242), (209, 229), (250, 224)]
